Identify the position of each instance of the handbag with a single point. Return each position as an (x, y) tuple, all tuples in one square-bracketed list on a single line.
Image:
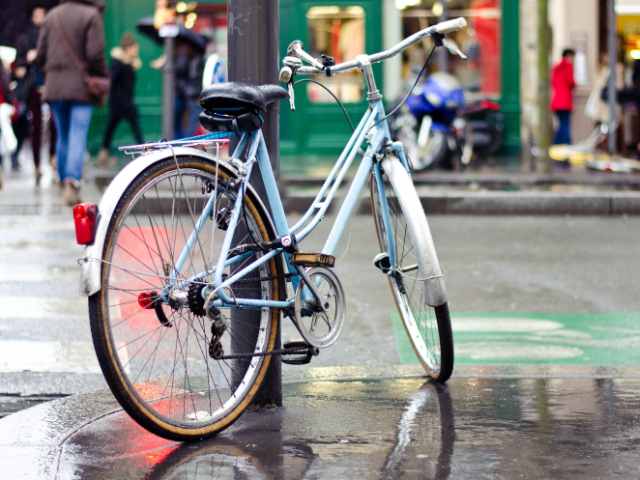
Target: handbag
[(98, 86)]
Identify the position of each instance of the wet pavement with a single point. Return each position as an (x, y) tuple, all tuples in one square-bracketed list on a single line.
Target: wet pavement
[(476, 428), (545, 318)]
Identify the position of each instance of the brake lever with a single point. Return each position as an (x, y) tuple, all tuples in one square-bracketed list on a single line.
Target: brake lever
[(453, 48), (292, 97)]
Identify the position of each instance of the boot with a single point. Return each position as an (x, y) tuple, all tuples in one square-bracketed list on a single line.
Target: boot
[(71, 193)]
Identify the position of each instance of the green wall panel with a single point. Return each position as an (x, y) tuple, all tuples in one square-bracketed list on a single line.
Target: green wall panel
[(122, 16), (510, 101), (320, 130)]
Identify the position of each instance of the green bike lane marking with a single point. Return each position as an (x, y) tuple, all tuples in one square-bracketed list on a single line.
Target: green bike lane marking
[(499, 338)]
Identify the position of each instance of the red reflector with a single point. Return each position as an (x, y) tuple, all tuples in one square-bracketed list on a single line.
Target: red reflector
[(146, 300), (84, 218)]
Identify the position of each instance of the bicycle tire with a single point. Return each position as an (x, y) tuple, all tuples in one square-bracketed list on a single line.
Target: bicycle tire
[(144, 401), (435, 355)]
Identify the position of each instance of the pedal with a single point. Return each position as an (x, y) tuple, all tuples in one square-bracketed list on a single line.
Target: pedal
[(382, 262), (298, 353), (314, 259)]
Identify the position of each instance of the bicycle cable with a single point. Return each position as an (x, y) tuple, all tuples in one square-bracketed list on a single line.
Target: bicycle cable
[(340, 104), (438, 42), (415, 83)]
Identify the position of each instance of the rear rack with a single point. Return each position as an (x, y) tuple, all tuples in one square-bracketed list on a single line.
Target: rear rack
[(209, 142)]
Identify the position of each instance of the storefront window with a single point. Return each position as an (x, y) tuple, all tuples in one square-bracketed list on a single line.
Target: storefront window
[(481, 41), (338, 32)]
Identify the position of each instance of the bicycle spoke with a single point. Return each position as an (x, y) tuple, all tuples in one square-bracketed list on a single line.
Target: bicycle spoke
[(164, 354)]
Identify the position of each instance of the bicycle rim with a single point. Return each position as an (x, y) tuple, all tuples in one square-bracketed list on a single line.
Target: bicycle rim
[(428, 328), (158, 364)]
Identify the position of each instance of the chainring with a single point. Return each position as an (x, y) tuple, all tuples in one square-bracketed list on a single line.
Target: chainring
[(320, 327)]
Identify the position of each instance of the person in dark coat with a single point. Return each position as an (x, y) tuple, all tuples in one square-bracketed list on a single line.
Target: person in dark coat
[(562, 86), (70, 47), (189, 66), (29, 80), (125, 60)]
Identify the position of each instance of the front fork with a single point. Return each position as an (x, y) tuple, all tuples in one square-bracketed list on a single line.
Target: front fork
[(397, 149)]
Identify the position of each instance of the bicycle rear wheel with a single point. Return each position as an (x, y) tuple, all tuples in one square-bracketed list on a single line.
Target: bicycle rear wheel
[(428, 328), (168, 365)]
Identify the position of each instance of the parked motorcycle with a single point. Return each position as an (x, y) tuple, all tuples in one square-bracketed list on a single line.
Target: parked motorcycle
[(440, 131), (425, 123), (482, 130)]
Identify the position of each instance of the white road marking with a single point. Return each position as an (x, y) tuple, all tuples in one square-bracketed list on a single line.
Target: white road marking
[(47, 356)]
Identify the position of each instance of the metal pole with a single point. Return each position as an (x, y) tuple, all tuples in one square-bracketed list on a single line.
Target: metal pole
[(253, 37), (168, 97), (613, 61), (543, 133), (443, 54)]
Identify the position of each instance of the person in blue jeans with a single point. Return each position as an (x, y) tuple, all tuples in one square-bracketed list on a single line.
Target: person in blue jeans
[(73, 119), (71, 47)]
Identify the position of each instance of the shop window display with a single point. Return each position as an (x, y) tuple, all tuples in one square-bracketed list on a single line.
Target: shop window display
[(481, 41), (339, 32)]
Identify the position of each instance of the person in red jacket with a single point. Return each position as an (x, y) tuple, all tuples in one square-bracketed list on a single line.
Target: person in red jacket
[(562, 85)]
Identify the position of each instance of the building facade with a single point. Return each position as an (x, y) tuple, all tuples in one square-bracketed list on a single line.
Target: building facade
[(342, 28)]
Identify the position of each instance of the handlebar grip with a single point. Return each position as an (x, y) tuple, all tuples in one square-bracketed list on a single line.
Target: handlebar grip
[(450, 26), (285, 74)]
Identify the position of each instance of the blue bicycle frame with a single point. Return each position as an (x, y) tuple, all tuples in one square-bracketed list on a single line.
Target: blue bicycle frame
[(374, 128)]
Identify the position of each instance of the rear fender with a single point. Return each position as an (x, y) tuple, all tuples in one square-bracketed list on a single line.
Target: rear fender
[(91, 262)]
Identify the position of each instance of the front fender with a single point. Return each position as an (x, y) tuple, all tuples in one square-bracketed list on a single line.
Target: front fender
[(91, 263), (435, 289)]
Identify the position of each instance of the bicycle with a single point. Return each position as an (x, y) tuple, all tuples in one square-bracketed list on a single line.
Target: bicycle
[(187, 271)]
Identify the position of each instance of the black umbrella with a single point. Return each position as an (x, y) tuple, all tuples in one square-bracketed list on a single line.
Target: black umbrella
[(195, 39)]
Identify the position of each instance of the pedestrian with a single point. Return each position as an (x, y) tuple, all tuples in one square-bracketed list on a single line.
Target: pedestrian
[(562, 86), (8, 140), (189, 66), (597, 108), (125, 60), (29, 79), (71, 52)]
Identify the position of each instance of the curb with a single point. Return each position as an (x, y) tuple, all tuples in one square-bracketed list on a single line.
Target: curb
[(455, 202), (506, 203), (481, 203)]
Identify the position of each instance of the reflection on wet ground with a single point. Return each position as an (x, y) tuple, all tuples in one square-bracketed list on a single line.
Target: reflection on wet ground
[(402, 428)]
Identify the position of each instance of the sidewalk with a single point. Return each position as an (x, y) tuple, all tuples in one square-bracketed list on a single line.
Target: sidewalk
[(45, 344)]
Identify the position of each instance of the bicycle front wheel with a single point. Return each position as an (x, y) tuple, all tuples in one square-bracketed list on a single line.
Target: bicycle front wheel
[(428, 328), (174, 370)]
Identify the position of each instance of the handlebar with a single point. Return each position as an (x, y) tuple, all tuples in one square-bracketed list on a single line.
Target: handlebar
[(315, 66), (450, 26)]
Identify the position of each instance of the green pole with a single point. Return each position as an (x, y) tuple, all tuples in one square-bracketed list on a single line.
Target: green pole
[(510, 74)]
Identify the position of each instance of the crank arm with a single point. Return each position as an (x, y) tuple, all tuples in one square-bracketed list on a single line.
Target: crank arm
[(308, 282), (294, 348)]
